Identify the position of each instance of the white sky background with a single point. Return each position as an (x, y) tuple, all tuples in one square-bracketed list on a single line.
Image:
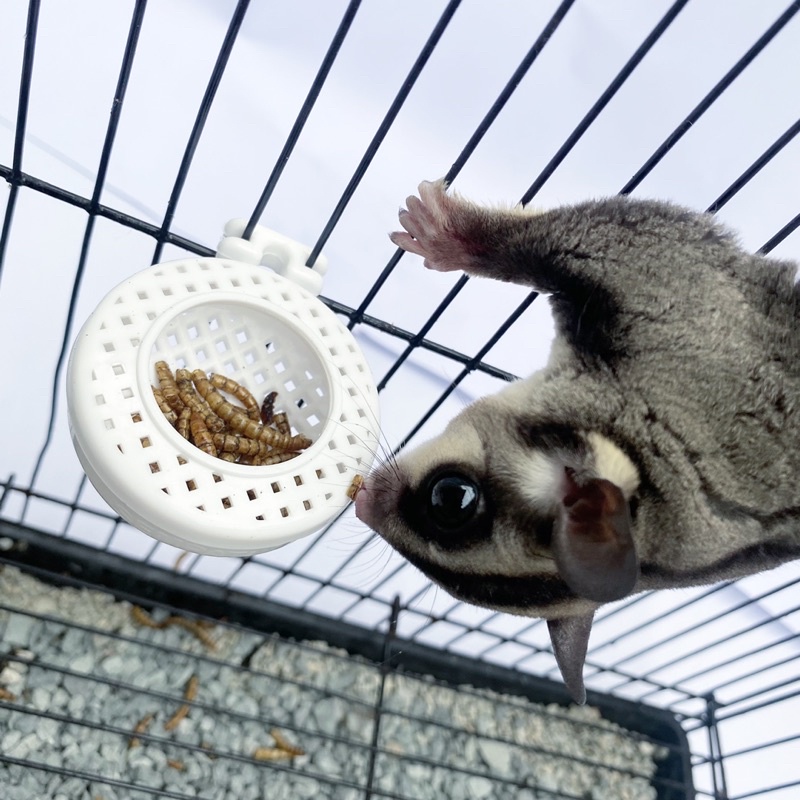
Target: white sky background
[(79, 51)]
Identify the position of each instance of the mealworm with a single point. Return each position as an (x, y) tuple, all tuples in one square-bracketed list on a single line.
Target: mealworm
[(182, 423), (271, 754), (141, 727), (198, 628), (276, 458), (235, 417), (284, 441), (169, 387), (355, 486), (9, 697), (175, 764), (177, 718), (179, 560), (284, 744), (230, 443), (247, 434), (239, 392), (281, 422), (201, 436), (195, 402), (164, 406), (189, 693), (251, 451), (241, 423), (143, 618)]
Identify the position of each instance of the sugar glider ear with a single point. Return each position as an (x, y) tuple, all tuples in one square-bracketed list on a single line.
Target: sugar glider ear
[(592, 542), (570, 638)]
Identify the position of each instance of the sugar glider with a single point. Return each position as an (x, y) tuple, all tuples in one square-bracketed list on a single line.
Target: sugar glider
[(659, 447)]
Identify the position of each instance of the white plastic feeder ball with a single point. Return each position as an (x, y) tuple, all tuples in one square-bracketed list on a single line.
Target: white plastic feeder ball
[(267, 333)]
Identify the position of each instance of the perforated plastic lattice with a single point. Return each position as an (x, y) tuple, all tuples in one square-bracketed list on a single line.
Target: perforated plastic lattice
[(266, 333)]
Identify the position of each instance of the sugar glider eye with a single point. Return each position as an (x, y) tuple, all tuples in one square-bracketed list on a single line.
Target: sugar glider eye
[(453, 501), (450, 508)]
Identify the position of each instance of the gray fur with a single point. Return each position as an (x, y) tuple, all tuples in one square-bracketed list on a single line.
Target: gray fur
[(673, 343)]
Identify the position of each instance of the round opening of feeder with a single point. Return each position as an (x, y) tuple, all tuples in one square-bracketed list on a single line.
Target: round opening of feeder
[(252, 342)]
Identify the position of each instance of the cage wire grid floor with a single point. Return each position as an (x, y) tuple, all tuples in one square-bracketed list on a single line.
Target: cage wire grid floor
[(721, 660)]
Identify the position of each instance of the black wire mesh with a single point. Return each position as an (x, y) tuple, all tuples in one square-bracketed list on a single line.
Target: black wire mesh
[(80, 688), (722, 659)]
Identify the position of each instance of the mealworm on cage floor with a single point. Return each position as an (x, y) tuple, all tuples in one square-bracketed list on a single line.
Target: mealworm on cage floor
[(284, 744), (271, 754), (190, 694), (175, 764), (239, 392), (140, 616), (141, 727), (198, 628), (177, 717), (9, 697)]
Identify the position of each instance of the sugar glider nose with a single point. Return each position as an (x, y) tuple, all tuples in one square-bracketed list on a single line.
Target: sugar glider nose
[(377, 501), (365, 506)]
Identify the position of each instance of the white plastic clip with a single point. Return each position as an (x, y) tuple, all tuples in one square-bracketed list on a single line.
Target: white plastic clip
[(274, 250)]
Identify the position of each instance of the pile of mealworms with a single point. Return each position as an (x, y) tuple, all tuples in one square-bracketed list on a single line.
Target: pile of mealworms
[(195, 404)]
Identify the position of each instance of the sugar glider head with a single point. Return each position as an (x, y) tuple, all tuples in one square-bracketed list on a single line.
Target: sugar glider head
[(512, 512)]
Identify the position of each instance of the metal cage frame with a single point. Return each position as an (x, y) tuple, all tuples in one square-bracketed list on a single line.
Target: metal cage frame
[(466, 648)]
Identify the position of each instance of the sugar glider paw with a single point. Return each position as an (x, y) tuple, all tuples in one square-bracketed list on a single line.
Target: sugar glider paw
[(431, 228)]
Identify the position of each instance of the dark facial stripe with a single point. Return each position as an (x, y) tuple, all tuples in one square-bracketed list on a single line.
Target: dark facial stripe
[(496, 591), (550, 437)]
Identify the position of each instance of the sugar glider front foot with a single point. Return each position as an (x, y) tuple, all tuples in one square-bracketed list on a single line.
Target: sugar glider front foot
[(434, 224)]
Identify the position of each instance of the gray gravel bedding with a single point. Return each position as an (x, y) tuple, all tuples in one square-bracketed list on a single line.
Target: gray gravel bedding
[(89, 697)]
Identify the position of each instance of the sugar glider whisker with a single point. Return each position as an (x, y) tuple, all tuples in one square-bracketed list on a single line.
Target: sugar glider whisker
[(659, 447)]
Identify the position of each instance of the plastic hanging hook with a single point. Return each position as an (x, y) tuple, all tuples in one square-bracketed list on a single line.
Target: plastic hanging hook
[(274, 250)]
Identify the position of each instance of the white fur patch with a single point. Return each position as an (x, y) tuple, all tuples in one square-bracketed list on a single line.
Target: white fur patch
[(613, 465), (539, 478)]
